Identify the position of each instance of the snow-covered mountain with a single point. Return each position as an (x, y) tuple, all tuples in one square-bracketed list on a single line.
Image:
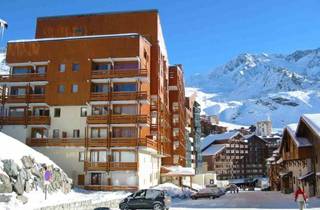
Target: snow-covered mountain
[(254, 87)]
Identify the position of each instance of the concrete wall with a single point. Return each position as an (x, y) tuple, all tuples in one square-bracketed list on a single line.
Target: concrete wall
[(19, 132), (66, 158), (149, 170)]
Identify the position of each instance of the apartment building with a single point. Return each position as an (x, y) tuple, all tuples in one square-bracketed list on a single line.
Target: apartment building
[(297, 162), (91, 92), (264, 128)]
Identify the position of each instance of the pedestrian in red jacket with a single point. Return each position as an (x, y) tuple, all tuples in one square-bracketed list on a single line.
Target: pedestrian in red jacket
[(300, 197)]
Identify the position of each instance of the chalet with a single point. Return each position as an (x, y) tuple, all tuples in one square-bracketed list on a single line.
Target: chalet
[(299, 160)]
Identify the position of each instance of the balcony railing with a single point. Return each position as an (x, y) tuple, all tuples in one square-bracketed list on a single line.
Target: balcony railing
[(119, 96), (123, 166), (96, 166), (61, 142), (110, 188), (30, 77), (122, 142), (30, 120), (123, 73), (118, 119), (30, 98)]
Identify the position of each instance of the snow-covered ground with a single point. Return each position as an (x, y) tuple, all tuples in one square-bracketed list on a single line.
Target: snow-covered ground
[(36, 198), (245, 200)]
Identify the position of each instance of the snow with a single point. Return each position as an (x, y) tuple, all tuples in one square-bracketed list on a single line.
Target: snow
[(179, 170), (213, 149), (244, 200), (314, 121), (252, 87), (299, 141), (217, 137), (36, 198), (13, 149), (74, 37), (174, 191), (4, 69), (305, 175)]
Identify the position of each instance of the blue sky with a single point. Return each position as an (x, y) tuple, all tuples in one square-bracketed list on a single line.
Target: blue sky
[(200, 34)]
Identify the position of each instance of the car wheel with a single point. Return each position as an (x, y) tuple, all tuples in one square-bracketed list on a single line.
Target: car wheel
[(157, 206), (124, 207), (211, 197)]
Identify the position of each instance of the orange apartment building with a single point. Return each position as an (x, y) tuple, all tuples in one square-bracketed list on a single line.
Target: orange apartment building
[(92, 93)]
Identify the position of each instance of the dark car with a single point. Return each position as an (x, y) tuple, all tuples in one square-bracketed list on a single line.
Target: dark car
[(146, 199), (205, 193)]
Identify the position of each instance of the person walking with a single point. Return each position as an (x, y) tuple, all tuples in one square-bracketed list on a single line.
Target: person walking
[(300, 197), (47, 179)]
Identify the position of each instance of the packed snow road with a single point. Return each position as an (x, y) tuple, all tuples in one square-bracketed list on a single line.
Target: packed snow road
[(245, 200)]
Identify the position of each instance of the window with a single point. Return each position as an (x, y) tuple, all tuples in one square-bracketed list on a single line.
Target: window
[(62, 67), (124, 156), (41, 69), (16, 111), (40, 111), (125, 109), (75, 67), (83, 111), (76, 133), (61, 89), (74, 88), (100, 88), (56, 133), (39, 133), (124, 132), (39, 90), (99, 110), (96, 178), (101, 66), (64, 134), (126, 65), (57, 112), (81, 156), (97, 133), (21, 70), (125, 87), (98, 156), (18, 91)]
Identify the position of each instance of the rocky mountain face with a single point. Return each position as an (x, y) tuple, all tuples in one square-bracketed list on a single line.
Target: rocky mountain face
[(254, 87)]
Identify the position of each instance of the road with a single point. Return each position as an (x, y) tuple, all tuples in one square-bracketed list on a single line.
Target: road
[(245, 200)]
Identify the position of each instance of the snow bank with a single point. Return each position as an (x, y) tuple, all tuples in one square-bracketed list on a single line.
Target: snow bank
[(174, 191), (179, 170), (13, 149)]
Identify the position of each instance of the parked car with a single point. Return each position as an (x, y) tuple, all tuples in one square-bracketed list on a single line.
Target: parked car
[(146, 199), (206, 193), (219, 191)]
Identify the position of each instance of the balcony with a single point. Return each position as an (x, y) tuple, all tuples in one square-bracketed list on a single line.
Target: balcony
[(123, 73), (110, 188), (97, 142), (118, 119), (30, 77), (30, 98), (123, 166), (61, 142), (96, 166), (122, 142), (119, 96), (30, 120)]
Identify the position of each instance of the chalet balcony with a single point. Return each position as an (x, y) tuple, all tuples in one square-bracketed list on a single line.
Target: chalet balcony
[(97, 142), (118, 119), (30, 98), (30, 120), (123, 73), (96, 166), (59, 142), (122, 142), (123, 166), (119, 96), (30, 77), (110, 188)]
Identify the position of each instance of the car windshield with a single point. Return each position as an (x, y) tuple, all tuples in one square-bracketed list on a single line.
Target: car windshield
[(206, 190)]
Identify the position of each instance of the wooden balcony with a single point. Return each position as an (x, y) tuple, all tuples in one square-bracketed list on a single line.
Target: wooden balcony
[(31, 77), (123, 73), (31, 98), (119, 96), (147, 142), (100, 142), (118, 119), (96, 166), (124, 142), (110, 188), (61, 142), (123, 166), (30, 120)]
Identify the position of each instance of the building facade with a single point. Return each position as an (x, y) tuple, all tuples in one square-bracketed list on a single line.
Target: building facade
[(298, 159), (264, 128), (94, 97)]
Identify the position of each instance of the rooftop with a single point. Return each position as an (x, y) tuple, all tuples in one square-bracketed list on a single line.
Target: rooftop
[(217, 137), (313, 121), (96, 14), (299, 141), (213, 149)]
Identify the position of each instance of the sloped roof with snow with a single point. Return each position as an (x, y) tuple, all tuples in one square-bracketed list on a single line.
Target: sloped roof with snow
[(313, 121), (217, 137), (213, 149), (299, 141)]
